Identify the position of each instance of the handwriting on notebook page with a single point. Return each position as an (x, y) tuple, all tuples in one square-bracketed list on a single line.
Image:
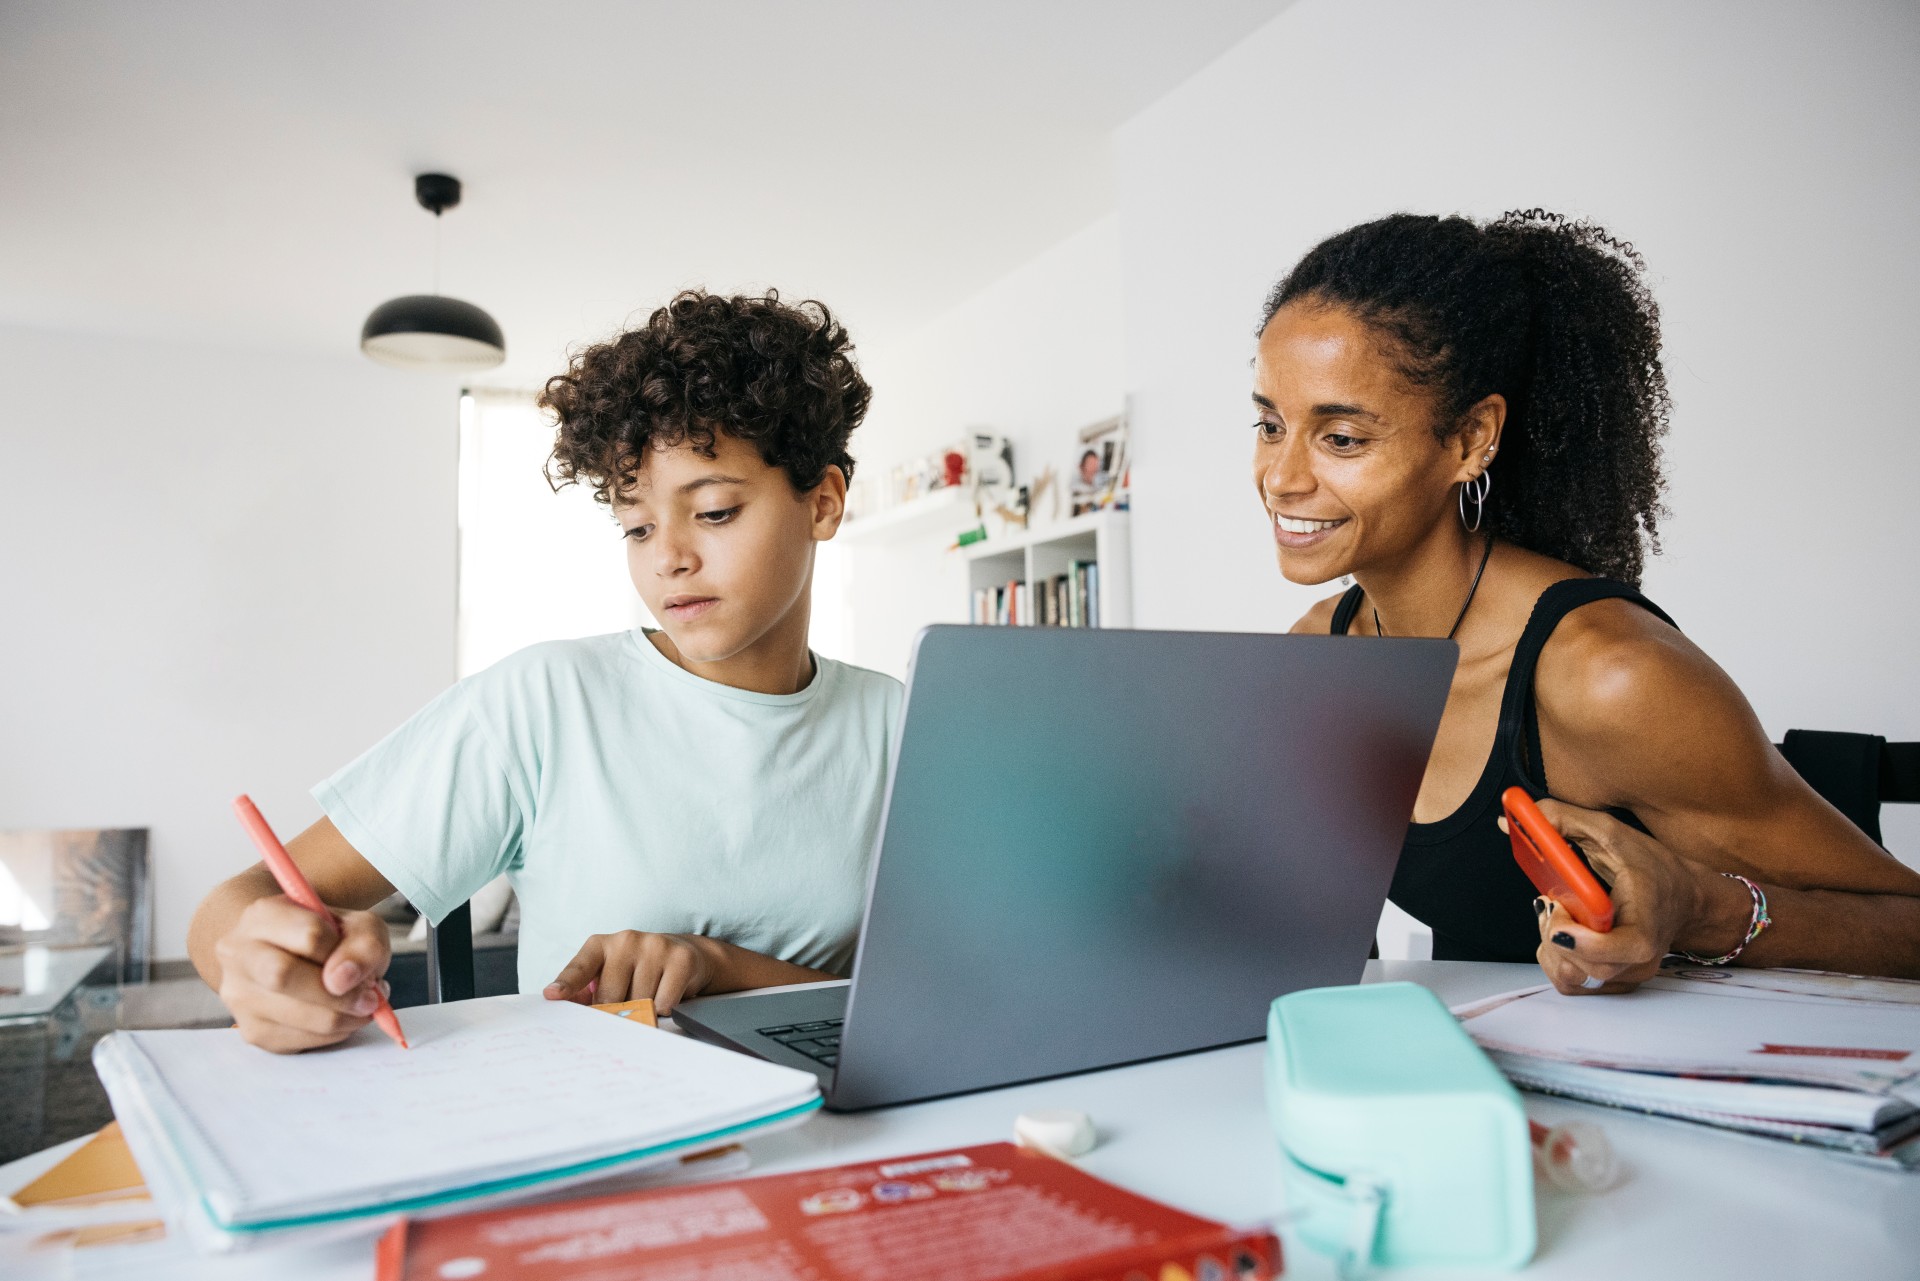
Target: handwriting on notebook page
[(482, 1089)]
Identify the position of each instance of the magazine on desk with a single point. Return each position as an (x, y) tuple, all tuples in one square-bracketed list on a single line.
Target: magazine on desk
[(1831, 1060)]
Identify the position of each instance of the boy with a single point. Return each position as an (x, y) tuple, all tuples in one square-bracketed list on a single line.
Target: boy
[(696, 803)]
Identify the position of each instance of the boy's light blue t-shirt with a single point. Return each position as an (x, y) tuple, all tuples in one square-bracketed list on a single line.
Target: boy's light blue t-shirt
[(618, 791)]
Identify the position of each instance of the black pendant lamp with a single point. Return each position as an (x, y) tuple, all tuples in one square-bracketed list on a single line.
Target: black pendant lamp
[(430, 331)]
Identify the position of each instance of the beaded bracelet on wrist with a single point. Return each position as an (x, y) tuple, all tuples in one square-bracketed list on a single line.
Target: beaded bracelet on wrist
[(1756, 925)]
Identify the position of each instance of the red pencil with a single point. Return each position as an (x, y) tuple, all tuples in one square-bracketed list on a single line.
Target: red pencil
[(294, 884)]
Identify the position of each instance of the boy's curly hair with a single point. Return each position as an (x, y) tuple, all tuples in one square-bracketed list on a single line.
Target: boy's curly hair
[(780, 377)]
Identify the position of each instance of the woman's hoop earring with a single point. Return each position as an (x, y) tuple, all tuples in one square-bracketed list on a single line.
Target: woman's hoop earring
[(1479, 485)]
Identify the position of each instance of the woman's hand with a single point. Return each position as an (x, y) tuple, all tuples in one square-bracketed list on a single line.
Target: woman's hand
[(633, 963), (1656, 901)]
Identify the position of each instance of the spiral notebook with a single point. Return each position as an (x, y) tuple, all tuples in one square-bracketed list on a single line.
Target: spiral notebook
[(501, 1097)]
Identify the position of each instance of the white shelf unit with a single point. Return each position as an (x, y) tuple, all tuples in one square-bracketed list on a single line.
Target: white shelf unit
[(1036, 555), (948, 509)]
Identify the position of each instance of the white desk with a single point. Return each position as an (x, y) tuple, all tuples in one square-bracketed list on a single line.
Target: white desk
[(1192, 1131)]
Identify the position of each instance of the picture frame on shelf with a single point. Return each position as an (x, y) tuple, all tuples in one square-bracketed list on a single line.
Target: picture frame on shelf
[(1098, 477)]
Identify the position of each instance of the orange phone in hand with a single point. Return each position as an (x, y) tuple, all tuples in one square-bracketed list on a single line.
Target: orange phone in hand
[(1550, 863)]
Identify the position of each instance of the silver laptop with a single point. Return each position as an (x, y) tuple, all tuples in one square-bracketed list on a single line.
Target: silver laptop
[(1106, 846)]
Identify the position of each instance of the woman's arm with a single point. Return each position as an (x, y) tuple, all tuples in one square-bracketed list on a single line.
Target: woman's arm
[(1664, 903), (289, 980), (1635, 716)]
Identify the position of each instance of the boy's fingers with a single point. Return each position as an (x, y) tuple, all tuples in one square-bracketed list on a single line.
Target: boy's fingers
[(646, 976), (580, 971), (277, 1038), (361, 955), (674, 976), (261, 967), (274, 969), (306, 1018), (616, 976), (291, 928)]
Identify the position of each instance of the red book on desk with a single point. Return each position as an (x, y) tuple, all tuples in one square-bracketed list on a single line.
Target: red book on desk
[(990, 1213)]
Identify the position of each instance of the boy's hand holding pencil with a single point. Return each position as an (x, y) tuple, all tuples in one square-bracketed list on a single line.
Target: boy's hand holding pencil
[(295, 974), (292, 982)]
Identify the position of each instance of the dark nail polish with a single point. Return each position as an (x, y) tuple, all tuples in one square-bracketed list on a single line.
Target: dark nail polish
[(1563, 939), (1540, 907)]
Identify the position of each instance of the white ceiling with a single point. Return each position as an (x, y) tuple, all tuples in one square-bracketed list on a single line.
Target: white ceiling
[(242, 172)]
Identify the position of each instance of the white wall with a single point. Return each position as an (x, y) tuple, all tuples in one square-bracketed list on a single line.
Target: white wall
[(1763, 158), (536, 563), (1036, 356), (220, 571)]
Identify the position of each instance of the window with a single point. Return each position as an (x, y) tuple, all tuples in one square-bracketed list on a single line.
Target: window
[(535, 565), (538, 565)]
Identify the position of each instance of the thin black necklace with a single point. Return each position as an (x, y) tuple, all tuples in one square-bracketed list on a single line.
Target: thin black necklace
[(1461, 617)]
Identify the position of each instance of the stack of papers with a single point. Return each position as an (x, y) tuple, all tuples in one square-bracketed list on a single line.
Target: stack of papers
[(1831, 1060), (499, 1098)]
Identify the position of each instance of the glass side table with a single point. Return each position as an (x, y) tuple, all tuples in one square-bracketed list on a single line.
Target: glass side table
[(49, 997)]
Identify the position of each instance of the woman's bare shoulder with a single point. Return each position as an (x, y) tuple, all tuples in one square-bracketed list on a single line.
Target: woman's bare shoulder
[(1317, 621), (1653, 722), (1623, 641), (1614, 664)]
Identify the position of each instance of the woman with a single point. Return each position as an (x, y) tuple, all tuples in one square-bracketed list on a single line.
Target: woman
[(1465, 420)]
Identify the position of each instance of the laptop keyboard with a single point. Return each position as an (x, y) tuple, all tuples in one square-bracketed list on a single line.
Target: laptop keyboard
[(819, 1040)]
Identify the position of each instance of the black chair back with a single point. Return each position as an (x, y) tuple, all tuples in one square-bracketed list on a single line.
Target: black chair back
[(1856, 773), (450, 957)]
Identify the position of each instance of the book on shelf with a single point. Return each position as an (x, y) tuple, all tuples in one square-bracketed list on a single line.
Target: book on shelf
[(1011, 605), (1071, 599), (1822, 1060), (994, 1212)]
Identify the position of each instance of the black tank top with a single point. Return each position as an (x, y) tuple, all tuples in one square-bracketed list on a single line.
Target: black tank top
[(1458, 876)]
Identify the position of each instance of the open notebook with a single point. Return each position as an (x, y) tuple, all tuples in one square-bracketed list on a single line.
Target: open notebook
[(506, 1095)]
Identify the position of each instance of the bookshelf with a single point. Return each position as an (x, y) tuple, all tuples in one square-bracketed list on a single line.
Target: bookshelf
[(1038, 556)]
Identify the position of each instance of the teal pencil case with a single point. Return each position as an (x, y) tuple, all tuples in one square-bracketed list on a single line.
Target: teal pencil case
[(1401, 1143)]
